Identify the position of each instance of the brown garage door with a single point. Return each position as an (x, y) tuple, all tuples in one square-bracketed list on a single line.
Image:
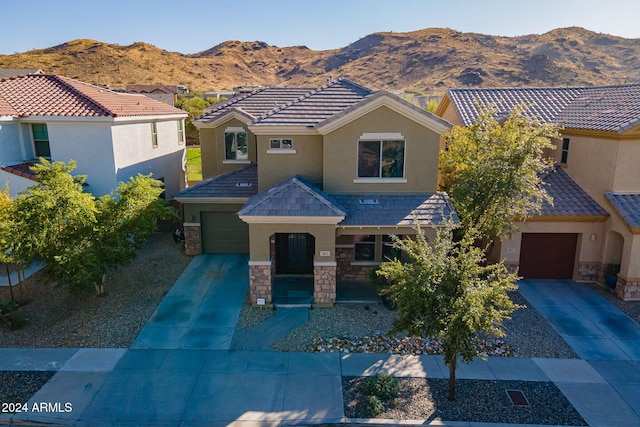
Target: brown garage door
[(547, 255), (224, 232)]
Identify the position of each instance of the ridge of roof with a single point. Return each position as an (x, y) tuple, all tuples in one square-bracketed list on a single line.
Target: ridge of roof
[(607, 108), (334, 84)]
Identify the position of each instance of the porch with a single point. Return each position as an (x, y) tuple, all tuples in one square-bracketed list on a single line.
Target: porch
[(297, 290)]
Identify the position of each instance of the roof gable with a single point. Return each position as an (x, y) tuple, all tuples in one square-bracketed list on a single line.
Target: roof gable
[(393, 102), (239, 183), (599, 108), (294, 197)]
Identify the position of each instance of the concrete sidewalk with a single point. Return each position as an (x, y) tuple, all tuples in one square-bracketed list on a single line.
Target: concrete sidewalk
[(180, 372), (217, 387)]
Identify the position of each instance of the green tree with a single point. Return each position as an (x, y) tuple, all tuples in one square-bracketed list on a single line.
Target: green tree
[(194, 106), (445, 289), (492, 170), (81, 238), (6, 225)]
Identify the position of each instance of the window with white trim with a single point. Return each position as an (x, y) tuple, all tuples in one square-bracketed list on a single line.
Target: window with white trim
[(236, 146), (380, 158), (281, 144), (154, 135), (180, 132), (41, 140)]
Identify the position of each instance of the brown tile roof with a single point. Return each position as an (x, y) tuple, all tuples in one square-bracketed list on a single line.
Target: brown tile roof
[(606, 108), (254, 104), (627, 206), (569, 199), (242, 182), (23, 170), (291, 106), (52, 95)]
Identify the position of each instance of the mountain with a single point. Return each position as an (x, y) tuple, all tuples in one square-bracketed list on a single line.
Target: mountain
[(427, 61)]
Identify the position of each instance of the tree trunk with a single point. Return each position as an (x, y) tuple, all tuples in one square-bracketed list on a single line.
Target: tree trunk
[(9, 281), (452, 381), (100, 291)]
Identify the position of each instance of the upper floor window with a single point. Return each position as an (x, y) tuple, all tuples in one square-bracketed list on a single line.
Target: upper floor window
[(154, 135), (180, 132), (41, 140), (281, 144), (235, 144), (381, 158), (565, 151)]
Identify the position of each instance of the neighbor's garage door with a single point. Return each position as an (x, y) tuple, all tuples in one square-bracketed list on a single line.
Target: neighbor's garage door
[(547, 255), (224, 232)]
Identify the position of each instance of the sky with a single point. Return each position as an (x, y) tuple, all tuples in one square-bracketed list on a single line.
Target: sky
[(189, 26)]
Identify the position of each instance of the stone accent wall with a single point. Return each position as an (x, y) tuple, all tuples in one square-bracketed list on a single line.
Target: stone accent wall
[(192, 240), (628, 289), (590, 272), (512, 268), (260, 283), (348, 272), (324, 285)]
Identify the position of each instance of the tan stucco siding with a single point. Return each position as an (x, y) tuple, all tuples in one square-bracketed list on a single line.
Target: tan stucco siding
[(276, 166), (451, 115), (421, 155), (627, 171), (588, 251), (212, 149), (260, 239), (192, 210)]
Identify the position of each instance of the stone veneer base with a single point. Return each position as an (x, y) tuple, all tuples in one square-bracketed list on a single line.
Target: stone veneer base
[(192, 240), (628, 289), (260, 284), (324, 285)]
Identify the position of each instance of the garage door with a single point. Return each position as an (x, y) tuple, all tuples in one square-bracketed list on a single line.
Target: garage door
[(547, 255), (224, 232)]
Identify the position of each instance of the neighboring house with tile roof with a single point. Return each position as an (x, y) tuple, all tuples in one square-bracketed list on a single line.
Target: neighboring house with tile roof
[(596, 187), (5, 73), (111, 136), (313, 181)]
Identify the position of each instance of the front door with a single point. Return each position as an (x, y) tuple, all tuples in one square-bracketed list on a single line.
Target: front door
[(294, 253)]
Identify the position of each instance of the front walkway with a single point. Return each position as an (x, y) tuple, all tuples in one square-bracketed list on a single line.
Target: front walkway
[(174, 376)]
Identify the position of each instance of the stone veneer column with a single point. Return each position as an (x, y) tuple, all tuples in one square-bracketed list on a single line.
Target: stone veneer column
[(260, 281), (589, 271), (192, 239), (628, 289), (324, 284)]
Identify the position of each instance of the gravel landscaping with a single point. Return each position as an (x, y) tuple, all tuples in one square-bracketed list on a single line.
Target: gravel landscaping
[(19, 386), (365, 328), (54, 317), (476, 400)]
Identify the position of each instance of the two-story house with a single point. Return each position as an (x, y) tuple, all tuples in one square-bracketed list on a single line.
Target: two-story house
[(594, 222), (111, 136), (313, 181)]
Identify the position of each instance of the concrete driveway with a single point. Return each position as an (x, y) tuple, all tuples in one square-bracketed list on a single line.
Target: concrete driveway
[(591, 325)]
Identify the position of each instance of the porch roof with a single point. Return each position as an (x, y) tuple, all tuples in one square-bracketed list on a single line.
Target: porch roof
[(627, 206), (294, 197), (390, 210), (238, 183), (568, 197)]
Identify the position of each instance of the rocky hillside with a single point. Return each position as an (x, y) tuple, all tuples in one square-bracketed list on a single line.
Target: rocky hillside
[(427, 61)]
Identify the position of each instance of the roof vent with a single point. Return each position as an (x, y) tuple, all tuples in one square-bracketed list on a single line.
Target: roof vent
[(369, 202), (244, 184)]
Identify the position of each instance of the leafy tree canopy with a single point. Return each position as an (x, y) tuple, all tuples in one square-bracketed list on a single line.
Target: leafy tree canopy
[(445, 289), (79, 237), (492, 170)]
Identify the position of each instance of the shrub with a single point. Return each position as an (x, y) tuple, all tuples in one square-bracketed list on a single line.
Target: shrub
[(9, 315), (383, 386), (370, 407)]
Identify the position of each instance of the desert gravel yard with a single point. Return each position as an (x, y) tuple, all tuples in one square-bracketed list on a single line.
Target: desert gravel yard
[(54, 317)]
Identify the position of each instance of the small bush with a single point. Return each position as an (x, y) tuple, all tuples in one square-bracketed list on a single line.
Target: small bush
[(383, 386), (370, 407), (9, 315)]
